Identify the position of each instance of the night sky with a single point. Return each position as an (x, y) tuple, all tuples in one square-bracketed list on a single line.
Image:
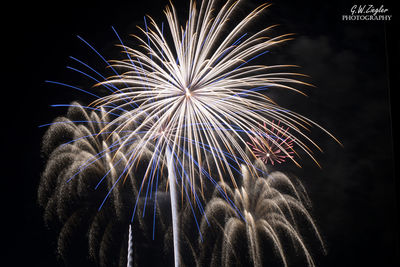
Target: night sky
[(354, 194)]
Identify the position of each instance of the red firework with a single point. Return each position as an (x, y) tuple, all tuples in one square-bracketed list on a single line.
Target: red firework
[(272, 144)]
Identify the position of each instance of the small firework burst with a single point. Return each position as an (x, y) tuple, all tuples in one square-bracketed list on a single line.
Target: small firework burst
[(273, 144)]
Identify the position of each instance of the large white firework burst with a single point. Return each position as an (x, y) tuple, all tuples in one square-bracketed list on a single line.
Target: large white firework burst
[(197, 94)]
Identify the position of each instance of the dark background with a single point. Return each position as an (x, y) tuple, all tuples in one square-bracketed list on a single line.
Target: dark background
[(351, 63)]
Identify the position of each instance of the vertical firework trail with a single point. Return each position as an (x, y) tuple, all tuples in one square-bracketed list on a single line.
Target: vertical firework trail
[(191, 101), (174, 205), (130, 244)]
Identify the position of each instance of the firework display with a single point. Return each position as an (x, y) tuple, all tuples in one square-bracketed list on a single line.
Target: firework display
[(186, 114)]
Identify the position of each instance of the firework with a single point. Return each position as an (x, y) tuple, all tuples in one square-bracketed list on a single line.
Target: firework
[(268, 151), (199, 94), (73, 187), (266, 216)]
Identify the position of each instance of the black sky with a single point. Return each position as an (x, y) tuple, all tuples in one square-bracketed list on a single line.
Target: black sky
[(354, 194)]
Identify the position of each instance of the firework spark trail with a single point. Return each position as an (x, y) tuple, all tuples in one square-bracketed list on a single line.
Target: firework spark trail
[(130, 244), (174, 204)]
